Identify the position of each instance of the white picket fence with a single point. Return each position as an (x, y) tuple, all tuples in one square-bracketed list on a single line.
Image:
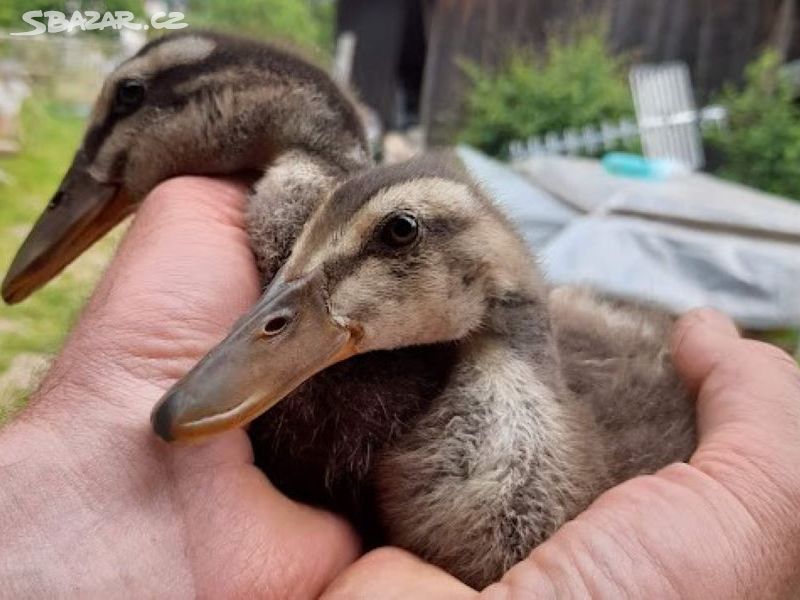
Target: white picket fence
[(667, 114), (607, 136), (668, 124)]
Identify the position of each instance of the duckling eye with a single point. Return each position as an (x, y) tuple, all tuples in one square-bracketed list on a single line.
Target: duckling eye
[(400, 230), (130, 94)]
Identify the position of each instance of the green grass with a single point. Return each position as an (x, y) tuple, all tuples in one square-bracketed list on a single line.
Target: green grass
[(38, 325)]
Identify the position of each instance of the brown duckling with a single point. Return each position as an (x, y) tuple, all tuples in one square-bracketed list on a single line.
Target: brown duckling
[(208, 104), (528, 402)]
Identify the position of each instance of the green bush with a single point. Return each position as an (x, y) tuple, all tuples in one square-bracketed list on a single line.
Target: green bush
[(761, 146), (573, 84), (305, 22), (11, 11)]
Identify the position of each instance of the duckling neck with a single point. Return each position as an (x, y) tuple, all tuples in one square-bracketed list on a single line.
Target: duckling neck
[(502, 458)]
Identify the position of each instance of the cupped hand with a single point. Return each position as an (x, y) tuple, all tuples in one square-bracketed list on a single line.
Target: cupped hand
[(92, 504), (726, 525)]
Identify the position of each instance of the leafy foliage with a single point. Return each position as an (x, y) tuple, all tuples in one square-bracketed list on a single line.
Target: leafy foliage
[(305, 22), (574, 84), (761, 146), (11, 11)]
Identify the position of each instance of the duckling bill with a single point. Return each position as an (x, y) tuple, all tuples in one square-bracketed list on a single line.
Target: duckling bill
[(79, 213), (287, 338)]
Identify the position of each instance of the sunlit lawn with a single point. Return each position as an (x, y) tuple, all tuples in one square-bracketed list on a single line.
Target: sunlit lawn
[(34, 329)]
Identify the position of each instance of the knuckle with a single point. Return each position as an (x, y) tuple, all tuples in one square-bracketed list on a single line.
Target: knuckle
[(169, 192), (689, 322)]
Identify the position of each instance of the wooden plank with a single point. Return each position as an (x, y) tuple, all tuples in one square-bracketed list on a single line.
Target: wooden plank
[(785, 28), (378, 26), (482, 32), (717, 38)]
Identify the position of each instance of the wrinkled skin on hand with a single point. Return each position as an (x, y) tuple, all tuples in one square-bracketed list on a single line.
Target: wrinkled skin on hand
[(92, 504)]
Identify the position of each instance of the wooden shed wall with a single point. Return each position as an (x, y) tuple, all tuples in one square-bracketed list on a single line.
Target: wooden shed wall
[(717, 38), (481, 31)]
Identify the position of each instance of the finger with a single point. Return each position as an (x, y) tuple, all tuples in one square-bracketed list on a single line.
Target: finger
[(187, 262), (748, 406), (699, 340), (740, 384), (391, 573), (186, 258), (262, 541), (181, 277)]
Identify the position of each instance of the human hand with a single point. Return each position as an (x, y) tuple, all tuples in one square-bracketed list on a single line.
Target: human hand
[(726, 525), (92, 504)]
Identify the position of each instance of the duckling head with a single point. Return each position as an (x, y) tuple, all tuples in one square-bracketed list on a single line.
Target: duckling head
[(196, 103), (398, 256)]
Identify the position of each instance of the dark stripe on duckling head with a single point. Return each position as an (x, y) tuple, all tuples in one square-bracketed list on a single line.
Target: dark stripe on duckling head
[(97, 134), (402, 262), (353, 194), (230, 53), (95, 137)]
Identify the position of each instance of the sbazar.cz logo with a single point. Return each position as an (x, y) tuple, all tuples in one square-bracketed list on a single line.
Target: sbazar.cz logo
[(54, 21)]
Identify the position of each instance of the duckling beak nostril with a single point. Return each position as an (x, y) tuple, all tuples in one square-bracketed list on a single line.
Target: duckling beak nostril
[(56, 200), (276, 324), (163, 416), (79, 213)]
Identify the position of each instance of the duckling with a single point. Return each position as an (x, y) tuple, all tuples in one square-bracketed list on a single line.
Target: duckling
[(519, 403), (199, 103)]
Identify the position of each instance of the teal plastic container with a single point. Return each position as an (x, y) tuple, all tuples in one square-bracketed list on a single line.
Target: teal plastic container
[(639, 167)]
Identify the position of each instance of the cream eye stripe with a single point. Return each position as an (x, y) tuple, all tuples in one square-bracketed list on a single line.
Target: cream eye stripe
[(178, 51), (412, 196)]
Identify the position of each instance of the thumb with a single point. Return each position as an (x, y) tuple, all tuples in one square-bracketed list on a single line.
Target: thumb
[(700, 339), (391, 573)]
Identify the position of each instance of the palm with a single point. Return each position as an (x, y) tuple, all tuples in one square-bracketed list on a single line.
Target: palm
[(200, 517)]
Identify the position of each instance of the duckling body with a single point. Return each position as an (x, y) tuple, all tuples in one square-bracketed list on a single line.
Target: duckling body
[(614, 357), (431, 387), (525, 436), (421, 467), (474, 445)]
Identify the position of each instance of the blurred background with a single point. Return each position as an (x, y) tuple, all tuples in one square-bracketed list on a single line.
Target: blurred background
[(649, 148)]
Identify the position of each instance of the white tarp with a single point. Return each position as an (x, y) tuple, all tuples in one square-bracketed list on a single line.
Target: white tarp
[(682, 243)]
